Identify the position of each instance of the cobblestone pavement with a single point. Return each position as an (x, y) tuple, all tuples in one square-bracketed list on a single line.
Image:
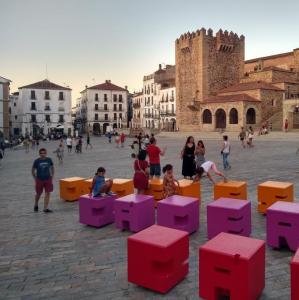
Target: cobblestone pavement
[(54, 257)]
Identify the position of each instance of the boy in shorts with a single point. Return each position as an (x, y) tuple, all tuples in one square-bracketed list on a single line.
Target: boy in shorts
[(154, 153), (43, 172)]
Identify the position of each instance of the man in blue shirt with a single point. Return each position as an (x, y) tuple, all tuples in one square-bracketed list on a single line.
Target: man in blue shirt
[(43, 172)]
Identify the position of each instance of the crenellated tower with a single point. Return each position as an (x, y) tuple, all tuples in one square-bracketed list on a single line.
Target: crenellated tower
[(205, 64)]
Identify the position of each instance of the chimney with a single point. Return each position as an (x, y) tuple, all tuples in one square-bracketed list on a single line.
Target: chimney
[(126, 87), (108, 81), (86, 87), (160, 66)]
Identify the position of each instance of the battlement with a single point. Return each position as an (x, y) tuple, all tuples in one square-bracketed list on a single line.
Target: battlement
[(224, 39)]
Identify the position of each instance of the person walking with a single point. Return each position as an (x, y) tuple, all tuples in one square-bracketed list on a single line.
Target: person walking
[(200, 154), (225, 151), (122, 139), (69, 144), (154, 153), (109, 137), (187, 155), (88, 142), (250, 137), (242, 137), (286, 125), (43, 172)]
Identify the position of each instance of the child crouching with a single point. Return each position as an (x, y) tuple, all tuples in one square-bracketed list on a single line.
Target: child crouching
[(99, 186)]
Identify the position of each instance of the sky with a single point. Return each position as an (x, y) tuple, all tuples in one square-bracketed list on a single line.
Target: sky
[(84, 42)]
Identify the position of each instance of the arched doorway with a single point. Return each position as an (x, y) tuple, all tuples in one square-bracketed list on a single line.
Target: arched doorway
[(105, 125), (233, 116), (251, 116), (207, 117), (173, 124), (96, 128), (220, 118)]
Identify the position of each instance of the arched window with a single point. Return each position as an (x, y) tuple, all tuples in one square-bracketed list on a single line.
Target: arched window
[(250, 116), (207, 117), (233, 116)]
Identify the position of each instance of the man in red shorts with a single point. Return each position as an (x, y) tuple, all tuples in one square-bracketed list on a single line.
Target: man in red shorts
[(43, 172)]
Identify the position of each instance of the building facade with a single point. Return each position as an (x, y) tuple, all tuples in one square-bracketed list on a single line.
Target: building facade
[(103, 107), (41, 108), (217, 89), (4, 107), (137, 102)]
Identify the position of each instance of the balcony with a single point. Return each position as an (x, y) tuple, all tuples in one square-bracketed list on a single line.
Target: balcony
[(32, 108), (167, 113), (47, 108), (118, 110), (171, 99), (148, 115), (60, 108), (136, 105)]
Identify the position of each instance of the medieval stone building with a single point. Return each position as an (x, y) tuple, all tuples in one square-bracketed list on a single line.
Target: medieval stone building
[(216, 88)]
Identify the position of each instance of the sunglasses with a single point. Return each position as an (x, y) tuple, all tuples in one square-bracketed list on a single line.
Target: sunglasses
[(43, 152)]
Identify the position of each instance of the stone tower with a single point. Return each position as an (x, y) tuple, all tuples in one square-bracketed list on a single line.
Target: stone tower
[(205, 64)]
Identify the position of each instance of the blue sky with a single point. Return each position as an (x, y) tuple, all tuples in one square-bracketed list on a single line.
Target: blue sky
[(87, 41)]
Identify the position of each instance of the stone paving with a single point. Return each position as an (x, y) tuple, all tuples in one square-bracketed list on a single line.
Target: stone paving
[(52, 256)]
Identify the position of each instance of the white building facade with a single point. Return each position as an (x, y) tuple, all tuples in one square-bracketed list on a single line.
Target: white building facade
[(167, 98), (4, 111), (103, 107), (137, 110), (42, 108)]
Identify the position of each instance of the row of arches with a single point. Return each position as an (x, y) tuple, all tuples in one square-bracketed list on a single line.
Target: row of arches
[(220, 116)]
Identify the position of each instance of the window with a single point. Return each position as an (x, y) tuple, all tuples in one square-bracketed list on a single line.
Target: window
[(33, 118), (114, 98), (105, 107), (233, 116), (96, 97), (47, 95), (120, 98), (47, 107), (32, 95), (15, 104), (16, 117), (105, 98), (115, 116), (172, 108), (96, 106), (61, 119), (61, 96), (120, 107), (152, 100), (33, 106), (106, 117), (9, 110), (273, 102), (48, 119), (120, 116), (115, 107), (96, 117)]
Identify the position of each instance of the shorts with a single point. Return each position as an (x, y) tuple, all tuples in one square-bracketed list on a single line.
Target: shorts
[(69, 146), (155, 169), (41, 185), (242, 139)]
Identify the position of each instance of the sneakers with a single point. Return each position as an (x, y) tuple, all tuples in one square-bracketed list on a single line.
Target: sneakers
[(110, 194), (35, 208), (48, 210)]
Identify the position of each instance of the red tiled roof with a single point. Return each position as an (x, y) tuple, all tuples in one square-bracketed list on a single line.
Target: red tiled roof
[(231, 98), (45, 85), (107, 86), (254, 85), (268, 57)]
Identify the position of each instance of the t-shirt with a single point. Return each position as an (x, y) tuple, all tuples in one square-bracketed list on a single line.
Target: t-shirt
[(69, 142), (226, 148), (153, 154), (99, 182), (207, 166), (43, 167)]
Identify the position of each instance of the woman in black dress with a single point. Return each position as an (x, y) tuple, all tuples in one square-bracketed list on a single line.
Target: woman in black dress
[(187, 155)]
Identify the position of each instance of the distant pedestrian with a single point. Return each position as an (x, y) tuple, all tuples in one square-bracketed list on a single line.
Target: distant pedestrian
[(80, 143), (187, 155), (141, 174), (26, 144), (286, 125), (250, 137), (109, 137), (122, 139), (242, 137), (43, 172), (200, 152), (88, 143), (225, 151), (69, 144), (60, 153), (154, 153)]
